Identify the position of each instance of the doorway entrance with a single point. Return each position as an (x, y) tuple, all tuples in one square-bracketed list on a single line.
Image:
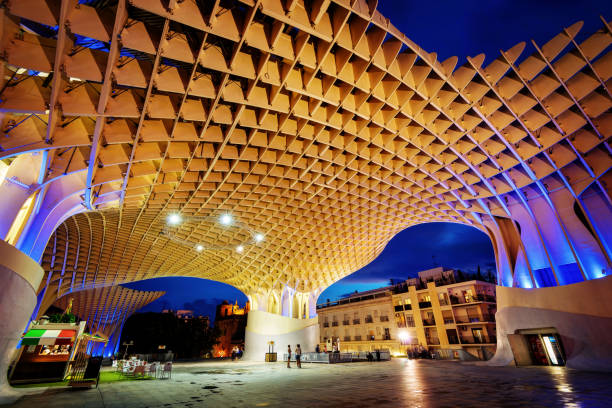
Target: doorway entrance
[(537, 347)]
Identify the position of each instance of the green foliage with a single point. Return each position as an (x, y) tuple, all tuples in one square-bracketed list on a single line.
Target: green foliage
[(62, 318), (186, 339)]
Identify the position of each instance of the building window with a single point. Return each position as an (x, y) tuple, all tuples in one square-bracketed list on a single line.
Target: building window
[(409, 321), (400, 320)]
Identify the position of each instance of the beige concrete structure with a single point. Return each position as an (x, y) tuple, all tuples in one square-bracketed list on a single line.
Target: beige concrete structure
[(315, 123), (582, 321)]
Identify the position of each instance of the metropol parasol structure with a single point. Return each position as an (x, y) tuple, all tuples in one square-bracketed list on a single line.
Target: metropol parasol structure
[(278, 145)]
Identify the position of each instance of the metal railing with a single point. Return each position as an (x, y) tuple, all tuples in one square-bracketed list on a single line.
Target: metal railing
[(345, 322), (475, 319), (473, 340), (458, 300), (384, 318), (326, 324), (429, 322), (369, 320), (356, 321), (334, 324)]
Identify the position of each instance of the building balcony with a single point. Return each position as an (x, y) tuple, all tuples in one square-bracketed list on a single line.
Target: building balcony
[(356, 321), (475, 319), (456, 300), (347, 338), (369, 320), (472, 340), (346, 322), (429, 322), (424, 305), (334, 324), (326, 324), (384, 318), (357, 338)]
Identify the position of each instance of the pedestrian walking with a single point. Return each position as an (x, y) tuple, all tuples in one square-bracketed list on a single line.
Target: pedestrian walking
[(288, 356), (298, 356)]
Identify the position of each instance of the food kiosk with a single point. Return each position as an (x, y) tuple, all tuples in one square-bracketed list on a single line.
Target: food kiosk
[(45, 351)]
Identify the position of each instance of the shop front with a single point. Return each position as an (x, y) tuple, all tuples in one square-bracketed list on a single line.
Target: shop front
[(45, 352)]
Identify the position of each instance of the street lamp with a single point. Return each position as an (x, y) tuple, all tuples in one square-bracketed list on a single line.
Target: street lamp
[(404, 338), (131, 343)]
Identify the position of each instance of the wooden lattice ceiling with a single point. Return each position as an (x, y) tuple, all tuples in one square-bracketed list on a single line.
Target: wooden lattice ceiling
[(315, 122)]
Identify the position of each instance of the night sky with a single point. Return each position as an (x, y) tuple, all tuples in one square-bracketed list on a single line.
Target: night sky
[(448, 27)]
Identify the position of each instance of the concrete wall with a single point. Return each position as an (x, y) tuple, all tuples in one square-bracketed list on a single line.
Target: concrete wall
[(263, 327), (581, 313), (20, 276)]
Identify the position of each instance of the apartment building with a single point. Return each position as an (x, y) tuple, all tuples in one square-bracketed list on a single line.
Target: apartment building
[(362, 322), (449, 315), (440, 310)]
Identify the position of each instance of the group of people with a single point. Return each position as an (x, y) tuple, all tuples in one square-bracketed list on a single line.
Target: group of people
[(370, 356), (420, 352), (236, 353), (298, 356)]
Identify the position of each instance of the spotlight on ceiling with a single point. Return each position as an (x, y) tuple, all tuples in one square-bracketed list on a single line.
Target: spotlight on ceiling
[(174, 219), (239, 249), (226, 219), (199, 248), (259, 237)]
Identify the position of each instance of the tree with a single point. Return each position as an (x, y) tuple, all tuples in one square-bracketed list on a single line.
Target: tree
[(191, 338)]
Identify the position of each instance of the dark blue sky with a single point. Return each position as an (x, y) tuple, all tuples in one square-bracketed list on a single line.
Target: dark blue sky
[(418, 248), (466, 28), (200, 295), (448, 27)]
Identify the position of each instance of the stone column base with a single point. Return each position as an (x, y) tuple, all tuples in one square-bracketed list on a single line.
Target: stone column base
[(20, 277), (263, 327), (580, 313)]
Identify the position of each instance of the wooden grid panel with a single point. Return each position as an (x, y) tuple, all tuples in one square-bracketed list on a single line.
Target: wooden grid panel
[(317, 123), (106, 309)]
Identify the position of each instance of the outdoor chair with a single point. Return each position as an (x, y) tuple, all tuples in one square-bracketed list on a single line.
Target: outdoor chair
[(139, 370), (152, 370), (166, 371), (127, 370)]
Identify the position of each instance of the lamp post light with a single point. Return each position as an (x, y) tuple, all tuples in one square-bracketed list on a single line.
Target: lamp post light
[(131, 343), (404, 338)]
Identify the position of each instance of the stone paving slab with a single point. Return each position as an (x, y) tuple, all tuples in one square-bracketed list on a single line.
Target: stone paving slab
[(398, 383)]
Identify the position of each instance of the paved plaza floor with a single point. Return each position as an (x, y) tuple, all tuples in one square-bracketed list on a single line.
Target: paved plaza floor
[(397, 383)]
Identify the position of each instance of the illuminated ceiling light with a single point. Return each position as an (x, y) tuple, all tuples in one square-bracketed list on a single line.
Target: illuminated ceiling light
[(239, 249), (174, 219), (259, 237), (226, 219), (199, 248)]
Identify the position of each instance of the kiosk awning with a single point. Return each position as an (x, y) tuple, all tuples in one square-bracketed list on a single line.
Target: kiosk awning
[(44, 337)]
